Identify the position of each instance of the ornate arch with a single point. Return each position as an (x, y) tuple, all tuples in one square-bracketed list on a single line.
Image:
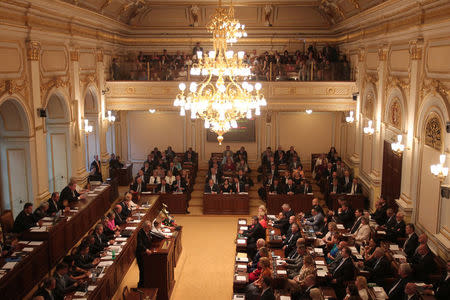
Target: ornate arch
[(91, 95), (395, 111), (23, 109), (63, 97)]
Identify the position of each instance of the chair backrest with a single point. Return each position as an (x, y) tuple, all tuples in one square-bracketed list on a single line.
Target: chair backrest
[(7, 221), (125, 292)]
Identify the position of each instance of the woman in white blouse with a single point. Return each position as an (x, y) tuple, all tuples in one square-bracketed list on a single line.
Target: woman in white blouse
[(154, 179), (361, 285), (362, 234), (170, 178)]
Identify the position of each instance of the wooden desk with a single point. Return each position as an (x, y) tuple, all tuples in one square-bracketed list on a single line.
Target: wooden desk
[(141, 294), (355, 201), (125, 175), (298, 202), (226, 204), (176, 203)]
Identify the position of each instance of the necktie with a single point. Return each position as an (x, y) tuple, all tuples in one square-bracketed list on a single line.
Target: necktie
[(394, 287), (139, 188), (342, 262), (378, 261), (238, 187), (163, 190)]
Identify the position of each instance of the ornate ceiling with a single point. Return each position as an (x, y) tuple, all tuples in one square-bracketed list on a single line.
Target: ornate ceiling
[(307, 14)]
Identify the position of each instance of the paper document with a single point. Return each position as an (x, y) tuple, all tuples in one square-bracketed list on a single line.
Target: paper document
[(319, 262), (321, 273), (281, 272), (106, 257), (9, 265), (242, 222), (242, 259), (28, 249), (378, 289), (105, 263), (340, 226), (35, 243), (130, 228), (24, 242), (318, 250), (381, 232), (121, 239), (243, 228), (244, 267), (393, 247), (91, 288), (241, 241), (285, 297), (38, 229), (238, 297), (47, 219), (79, 294), (241, 278)]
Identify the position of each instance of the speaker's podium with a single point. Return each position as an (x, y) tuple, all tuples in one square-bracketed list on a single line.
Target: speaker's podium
[(159, 266)]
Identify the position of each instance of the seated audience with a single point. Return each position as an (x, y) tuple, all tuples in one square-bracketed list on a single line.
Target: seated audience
[(362, 234), (315, 220), (53, 206), (255, 232), (138, 186), (380, 213), (423, 263), (85, 260), (378, 267), (70, 193), (164, 187), (412, 241), (41, 211), (63, 283), (211, 187), (255, 288), (46, 289), (291, 238), (226, 188), (397, 290), (26, 219)]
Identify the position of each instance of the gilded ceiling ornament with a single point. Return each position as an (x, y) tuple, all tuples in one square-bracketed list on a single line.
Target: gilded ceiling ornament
[(415, 52), (105, 5), (372, 78), (355, 3), (434, 87), (33, 50), (395, 113), (89, 78), (74, 55), (361, 54), (332, 10), (195, 11), (99, 55), (382, 54), (56, 82), (395, 81), (433, 136), (12, 86)]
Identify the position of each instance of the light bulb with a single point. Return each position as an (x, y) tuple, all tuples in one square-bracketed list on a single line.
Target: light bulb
[(199, 54), (258, 86), (152, 111), (309, 111), (193, 87), (182, 86), (257, 111), (241, 54), (399, 138), (249, 114), (229, 54), (442, 159), (212, 54)]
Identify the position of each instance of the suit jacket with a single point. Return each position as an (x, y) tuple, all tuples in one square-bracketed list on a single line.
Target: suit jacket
[(167, 188), (346, 186), (355, 225), (344, 272), (290, 242), (228, 189), (411, 245), (315, 221), (291, 188), (44, 293), (362, 233), (67, 193), (302, 189), (24, 222), (254, 233), (182, 185), (379, 269), (442, 289), (144, 242), (276, 189), (53, 207), (241, 187), (397, 290), (423, 266), (100, 243), (209, 189), (97, 166), (283, 225), (134, 187), (64, 285), (346, 218), (295, 264), (84, 261), (380, 215), (396, 231), (338, 189), (358, 189), (118, 219), (126, 212), (267, 295)]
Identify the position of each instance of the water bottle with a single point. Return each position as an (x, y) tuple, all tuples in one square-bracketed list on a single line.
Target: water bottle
[(113, 255), (94, 276)]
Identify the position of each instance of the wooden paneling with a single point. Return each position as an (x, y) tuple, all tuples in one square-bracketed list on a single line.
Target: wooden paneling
[(392, 175)]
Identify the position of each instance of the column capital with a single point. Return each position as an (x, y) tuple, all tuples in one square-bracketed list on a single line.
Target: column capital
[(99, 55), (382, 53), (361, 54), (33, 50), (74, 55), (415, 49)]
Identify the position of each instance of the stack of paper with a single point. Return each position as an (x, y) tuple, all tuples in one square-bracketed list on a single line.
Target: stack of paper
[(10, 265), (241, 278), (242, 222), (79, 294), (35, 243), (242, 267), (319, 262), (340, 226), (321, 273), (130, 228), (121, 239), (393, 247), (106, 257), (285, 297), (243, 228), (281, 272), (318, 251), (24, 242), (38, 229), (47, 219), (28, 249), (241, 241), (241, 259), (105, 263), (91, 288), (381, 232)]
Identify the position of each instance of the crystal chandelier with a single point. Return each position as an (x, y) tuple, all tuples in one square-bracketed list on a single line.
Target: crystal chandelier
[(398, 147), (439, 171), (221, 99)]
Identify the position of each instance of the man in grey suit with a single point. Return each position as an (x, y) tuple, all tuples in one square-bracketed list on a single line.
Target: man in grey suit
[(294, 265), (64, 284), (315, 220)]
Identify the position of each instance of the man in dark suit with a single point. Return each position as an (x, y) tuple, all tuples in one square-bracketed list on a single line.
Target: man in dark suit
[(346, 182), (316, 220), (397, 290), (397, 230), (101, 241), (46, 290), (306, 188), (118, 217), (358, 215), (138, 186), (64, 284), (143, 247), (25, 219), (41, 211), (334, 187), (412, 240), (276, 188), (70, 193), (345, 271), (164, 187), (53, 207), (380, 213), (255, 232), (356, 188), (267, 292), (441, 289), (114, 163), (211, 187), (290, 188), (315, 204), (96, 170), (423, 263), (253, 265), (179, 185), (290, 241), (126, 206), (172, 168), (156, 153), (345, 215), (238, 187), (378, 267), (85, 260)]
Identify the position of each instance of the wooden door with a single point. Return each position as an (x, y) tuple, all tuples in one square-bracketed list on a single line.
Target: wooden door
[(392, 175)]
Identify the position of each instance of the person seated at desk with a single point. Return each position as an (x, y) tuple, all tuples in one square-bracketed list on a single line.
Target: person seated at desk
[(411, 292), (141, 175), (242, 166), (41, 211), (244, 179), (211, 187), (172, 168), (368, 249), (255, 232), (214, 176), (334, 187), (412, 240), (291, 239), (355, 188), (229, 166), (315, 220), (238, 186), (188, 158), (440, 289), (26, 219), (46, 289), (9, 245), (144, 244), (323, 230), (64, 284), (179, 185), (361, 286), (397, 230), (114, 162), (95, 170), (126, 206), (138, 186), (292, 220), (295, 264), (331, 237), (254, 289), (378, 267), (298, 180), (154, 179), (281, 223), (305, 188), (362, 234), (101, 241), (254, 275), (119, 218), (70, 193), (266, 287), (285, 177), (346, 182), (253, 264), (380, 212), (109, 222), (83, 259), (423, 263), (290, 188), (345, 215), (397, 290), (75, 272), (170, 178), (226, 188), (308, 268), (164, 187), (53, 206), (276, 188), (358, 216)]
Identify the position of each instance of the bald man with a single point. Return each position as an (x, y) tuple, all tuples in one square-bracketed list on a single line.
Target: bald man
[(423, 263), (254, 263), (379, 266)]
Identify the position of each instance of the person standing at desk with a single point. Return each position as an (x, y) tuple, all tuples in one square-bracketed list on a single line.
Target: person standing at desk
[(144, 243), (70, 193)]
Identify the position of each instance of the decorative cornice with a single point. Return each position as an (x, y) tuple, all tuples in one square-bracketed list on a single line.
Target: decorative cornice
[(371, 77), (435, 87), (382, 54), (56, 82), (89, 78), (415, 50), (33, 50), (361, 54), (395, 81), (12, 86), (74, 55), (99, 55)]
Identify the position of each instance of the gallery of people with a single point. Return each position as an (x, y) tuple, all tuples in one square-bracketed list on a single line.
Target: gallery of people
[(224, 149)]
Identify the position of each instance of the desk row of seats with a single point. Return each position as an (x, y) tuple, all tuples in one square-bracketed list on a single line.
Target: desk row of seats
[(292, 259)]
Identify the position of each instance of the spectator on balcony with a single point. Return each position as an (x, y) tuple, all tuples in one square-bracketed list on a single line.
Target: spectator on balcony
[(197, 48)]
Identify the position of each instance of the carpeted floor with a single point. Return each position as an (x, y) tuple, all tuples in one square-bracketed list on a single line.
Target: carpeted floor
[(206, 266)]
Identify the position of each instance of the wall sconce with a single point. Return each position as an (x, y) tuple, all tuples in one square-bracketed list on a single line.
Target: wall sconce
[(438, 170), (110, 117), (350, 118), (308, 111), (152, 111), (87, 128), (369, 130), (398, 147)]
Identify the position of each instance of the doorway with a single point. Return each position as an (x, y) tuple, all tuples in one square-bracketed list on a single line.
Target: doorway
[(392, 175)]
